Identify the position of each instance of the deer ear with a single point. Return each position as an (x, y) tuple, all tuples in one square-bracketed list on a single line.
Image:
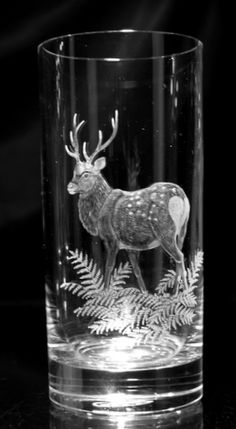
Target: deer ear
[(100, 163)]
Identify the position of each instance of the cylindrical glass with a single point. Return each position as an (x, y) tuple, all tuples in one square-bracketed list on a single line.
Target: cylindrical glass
[(122, 201)]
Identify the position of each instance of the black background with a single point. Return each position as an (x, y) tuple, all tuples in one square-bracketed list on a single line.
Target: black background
[(23, 25)]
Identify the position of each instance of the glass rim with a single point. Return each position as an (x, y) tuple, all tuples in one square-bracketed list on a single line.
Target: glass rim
[(43, 45)]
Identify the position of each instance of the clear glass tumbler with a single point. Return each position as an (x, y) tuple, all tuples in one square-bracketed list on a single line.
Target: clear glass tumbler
[(122, 202)]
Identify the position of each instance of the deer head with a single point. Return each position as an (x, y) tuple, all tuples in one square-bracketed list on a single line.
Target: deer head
[(86, 172)]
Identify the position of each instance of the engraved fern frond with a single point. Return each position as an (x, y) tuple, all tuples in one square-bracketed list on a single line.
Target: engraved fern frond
[(89, 274), (166, 283), (188, 298), (142, 316), (120, 275), (91, 279), (71, 287), (99, 303), (144, 334), (194, 270)]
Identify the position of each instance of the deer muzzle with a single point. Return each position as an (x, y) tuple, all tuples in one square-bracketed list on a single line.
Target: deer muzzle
[(72, 188)]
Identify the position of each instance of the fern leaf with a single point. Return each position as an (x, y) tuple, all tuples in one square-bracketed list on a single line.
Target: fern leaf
[(77, 265), (89, 274), (143, 316), (89, 311), (76, 258), (97, 328), (84, 275), (120, 275), (90, 265), (65, 285), (167, 282), (181, 316), (188, 299), (86, 282), (123, 294), (103, 326), (70, 286), (195, 267), (78, 310), (107, 299), (96, 273), (99, 312), (100, 282), (83, 270), (76, 290), (136, 298), (82, 293), (73, 254)]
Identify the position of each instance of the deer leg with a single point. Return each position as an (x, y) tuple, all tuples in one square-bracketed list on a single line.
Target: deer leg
[(110, 263), (133, 257), (171, 247), (181, 236), (181, 273)]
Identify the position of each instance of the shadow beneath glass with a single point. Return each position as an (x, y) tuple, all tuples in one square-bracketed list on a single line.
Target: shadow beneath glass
[(188, 418)]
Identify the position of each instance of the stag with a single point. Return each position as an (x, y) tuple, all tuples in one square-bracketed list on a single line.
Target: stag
[(132, 220)]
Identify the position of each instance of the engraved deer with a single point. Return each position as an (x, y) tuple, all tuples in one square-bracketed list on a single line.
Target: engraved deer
[(131, 220)]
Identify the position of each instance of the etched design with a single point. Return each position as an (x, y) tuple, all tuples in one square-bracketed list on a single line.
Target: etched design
[(131, 220), (124, 309)]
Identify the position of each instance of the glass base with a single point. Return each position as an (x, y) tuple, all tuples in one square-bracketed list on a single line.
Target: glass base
[(149, 391), (120, 403)]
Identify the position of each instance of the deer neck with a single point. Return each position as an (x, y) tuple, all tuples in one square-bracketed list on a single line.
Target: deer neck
[(90, 205)]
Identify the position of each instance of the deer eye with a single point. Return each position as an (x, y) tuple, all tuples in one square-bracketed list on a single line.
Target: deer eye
[(85, 175)]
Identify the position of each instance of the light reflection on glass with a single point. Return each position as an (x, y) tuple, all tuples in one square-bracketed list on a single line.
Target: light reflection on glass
[(112, 59)]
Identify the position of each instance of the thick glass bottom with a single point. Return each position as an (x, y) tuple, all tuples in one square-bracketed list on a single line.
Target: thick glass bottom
[(136, 392)]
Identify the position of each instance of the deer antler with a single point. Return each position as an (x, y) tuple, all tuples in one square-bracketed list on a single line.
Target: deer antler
[(100, 146), (74, 139)]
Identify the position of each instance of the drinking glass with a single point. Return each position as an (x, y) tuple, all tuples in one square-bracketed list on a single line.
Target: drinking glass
[(122, 203)]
